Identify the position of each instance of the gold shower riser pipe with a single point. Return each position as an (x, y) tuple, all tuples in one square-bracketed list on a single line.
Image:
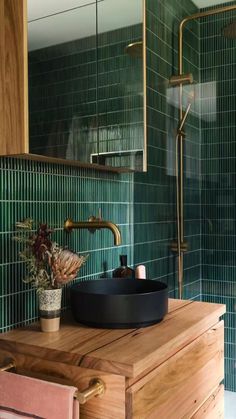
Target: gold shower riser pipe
[(199, 15)]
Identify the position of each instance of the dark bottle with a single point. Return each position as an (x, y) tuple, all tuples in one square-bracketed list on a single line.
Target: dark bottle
[(123, 271)]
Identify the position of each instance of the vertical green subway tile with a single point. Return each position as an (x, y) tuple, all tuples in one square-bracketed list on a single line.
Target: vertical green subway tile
[(51, 193), (218, 154)]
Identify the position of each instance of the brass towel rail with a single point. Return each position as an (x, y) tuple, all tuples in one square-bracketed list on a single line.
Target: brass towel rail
[(8, 366), (96, 386)]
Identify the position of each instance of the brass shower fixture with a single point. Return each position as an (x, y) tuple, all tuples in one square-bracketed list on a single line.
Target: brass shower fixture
[(93, 224), (135, 49), (181, 79)]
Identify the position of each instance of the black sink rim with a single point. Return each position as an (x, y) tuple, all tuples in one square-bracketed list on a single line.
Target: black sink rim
[(77, 288)]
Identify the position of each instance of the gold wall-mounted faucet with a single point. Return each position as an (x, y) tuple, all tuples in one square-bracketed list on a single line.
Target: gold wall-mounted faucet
[(94, 224)]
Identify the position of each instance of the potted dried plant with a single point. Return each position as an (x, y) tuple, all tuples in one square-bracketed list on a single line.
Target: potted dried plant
[(49, 267)]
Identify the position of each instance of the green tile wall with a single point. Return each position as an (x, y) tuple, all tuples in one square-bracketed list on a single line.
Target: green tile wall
[(142, 204), (52, 193), (154, 192), (218, 61)]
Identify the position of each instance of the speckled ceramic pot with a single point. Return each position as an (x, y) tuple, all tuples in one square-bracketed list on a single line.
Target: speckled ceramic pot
[(50, 309)]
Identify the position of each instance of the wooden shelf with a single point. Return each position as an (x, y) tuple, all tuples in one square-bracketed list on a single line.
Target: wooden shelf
[(45, 159)]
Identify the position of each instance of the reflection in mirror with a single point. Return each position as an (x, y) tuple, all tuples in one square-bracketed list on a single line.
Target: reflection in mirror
[(62, 80), (86, 89), (120, 83)]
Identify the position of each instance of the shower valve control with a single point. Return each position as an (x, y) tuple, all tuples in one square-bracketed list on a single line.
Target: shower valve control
[(184, 247)]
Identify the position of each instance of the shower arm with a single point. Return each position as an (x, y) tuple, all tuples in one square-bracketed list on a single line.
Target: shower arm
[(193, 17)]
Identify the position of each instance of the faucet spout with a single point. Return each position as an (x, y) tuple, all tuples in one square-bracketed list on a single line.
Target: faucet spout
[(94, 224)]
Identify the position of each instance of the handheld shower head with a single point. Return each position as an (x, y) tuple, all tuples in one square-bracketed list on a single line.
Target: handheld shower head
[(190, 99), (183, 120), (191, 95)]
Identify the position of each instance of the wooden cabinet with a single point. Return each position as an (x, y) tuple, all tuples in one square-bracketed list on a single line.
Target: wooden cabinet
[(171, 370), (178, 387), (13, 77), (213, 407), (14, 109), (69, 124)]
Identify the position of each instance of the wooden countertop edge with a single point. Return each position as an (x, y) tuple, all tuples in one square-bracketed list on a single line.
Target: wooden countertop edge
[(10, 336), (9, 343), (93, 360), (212, 320)]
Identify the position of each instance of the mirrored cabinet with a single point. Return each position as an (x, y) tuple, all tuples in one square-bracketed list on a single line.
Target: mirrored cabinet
[(80, 77)]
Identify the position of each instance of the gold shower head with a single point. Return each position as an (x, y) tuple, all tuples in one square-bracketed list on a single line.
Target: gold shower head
[(135, 49)]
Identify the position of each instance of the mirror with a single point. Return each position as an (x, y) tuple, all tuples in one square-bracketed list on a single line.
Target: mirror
[(86, 81)]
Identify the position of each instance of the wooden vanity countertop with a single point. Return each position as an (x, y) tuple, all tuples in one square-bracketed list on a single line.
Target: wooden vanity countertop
[(127, 352)]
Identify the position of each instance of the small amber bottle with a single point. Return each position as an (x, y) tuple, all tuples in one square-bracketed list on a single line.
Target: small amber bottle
[(123, 271)]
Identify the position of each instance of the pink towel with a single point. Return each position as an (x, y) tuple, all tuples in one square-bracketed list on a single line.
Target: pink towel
[(25, 397)]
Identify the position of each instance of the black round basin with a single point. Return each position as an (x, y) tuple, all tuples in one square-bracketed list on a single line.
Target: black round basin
[(119, 303)]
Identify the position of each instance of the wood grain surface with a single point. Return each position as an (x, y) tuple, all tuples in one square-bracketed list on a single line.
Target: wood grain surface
[(13, 77), (213, 407), (127, 352), (178, 387), (111, 405), (76, 163)]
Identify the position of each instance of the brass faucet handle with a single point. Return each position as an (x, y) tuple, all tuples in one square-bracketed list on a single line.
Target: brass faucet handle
[(100, 214), (92, 219)]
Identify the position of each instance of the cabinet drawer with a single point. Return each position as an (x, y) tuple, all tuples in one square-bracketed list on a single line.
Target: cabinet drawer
[(111, 405), (213, 408), (179, 387)]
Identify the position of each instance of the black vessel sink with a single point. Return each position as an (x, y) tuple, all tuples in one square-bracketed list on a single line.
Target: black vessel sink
[(119, 303)]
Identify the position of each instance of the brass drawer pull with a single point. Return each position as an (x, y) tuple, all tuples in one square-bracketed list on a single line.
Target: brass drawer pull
[(8, 366), (96, 388)]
